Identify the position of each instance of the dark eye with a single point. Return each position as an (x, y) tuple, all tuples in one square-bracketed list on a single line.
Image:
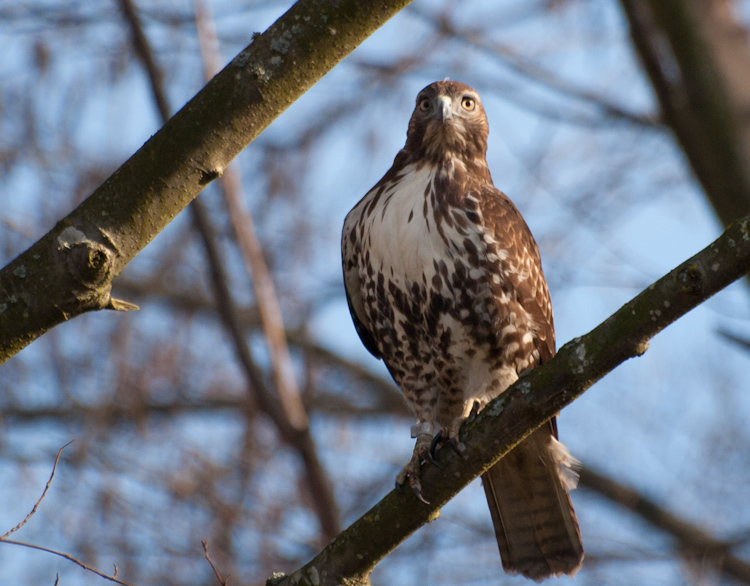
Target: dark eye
[(468, 103), (424, 104)]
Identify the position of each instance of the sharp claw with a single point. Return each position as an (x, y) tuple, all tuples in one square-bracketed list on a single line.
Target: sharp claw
[(420, 497), (416, 488), (426, 455), (424, 451), (443, 437), (436, 441), (410, 474)]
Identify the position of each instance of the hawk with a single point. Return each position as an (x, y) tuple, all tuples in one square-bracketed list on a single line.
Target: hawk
[(445, 285)]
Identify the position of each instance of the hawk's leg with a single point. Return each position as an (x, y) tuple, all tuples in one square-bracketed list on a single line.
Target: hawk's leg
[(449, 435), (425, 432)]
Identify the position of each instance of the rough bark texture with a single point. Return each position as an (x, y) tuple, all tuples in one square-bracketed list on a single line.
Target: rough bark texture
[(69, 271), (526, 405)]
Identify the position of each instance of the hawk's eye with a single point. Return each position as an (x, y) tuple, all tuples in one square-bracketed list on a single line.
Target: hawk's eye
[(424, 104), (468, 103)]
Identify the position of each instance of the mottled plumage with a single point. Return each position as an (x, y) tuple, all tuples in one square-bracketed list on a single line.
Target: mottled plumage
[(445, 284)]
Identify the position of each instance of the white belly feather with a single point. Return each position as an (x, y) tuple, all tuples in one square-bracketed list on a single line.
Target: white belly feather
[(403, 248)]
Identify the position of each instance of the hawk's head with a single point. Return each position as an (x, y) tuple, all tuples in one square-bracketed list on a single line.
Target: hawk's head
[(448, 121)]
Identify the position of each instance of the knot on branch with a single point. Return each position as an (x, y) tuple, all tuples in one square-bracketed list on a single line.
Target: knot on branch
[(88, 263), (207, 176), (88, 266)]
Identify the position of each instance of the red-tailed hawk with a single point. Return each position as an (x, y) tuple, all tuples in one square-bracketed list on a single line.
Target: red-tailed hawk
[(445, 284)]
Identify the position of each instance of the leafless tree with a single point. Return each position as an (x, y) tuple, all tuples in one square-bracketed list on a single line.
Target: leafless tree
[(611, 124)]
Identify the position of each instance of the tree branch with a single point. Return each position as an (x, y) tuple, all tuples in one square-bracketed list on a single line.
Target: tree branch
[(5, 535), (526, 405), (69, 271), (222, 581), (301, 439), (71, 558)]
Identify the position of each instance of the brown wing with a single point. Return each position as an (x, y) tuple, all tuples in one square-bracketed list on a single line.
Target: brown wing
[(527, 491), (364, 333), (522, 266)]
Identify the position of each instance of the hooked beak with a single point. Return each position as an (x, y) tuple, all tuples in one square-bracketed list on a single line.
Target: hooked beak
[(444, 109)]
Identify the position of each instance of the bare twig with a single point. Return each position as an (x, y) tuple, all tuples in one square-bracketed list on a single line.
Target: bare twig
[(741, 342), (39, 501), (129, 413), (69, 557), (146, 56), (222, 581)]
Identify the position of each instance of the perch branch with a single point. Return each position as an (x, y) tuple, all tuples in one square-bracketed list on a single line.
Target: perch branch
[(526, 405)]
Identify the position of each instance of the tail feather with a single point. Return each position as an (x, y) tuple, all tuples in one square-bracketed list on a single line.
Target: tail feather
[(535, 525)]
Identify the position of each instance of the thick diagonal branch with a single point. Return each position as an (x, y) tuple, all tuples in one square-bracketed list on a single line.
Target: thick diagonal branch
[(69, 271), (526, 405)]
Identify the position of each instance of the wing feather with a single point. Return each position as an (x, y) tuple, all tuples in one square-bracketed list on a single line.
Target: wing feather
[(507, 227), (350, 253)]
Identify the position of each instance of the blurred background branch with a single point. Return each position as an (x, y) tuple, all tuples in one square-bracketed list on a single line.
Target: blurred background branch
[(694, 543), (284, 407), (697, 57)]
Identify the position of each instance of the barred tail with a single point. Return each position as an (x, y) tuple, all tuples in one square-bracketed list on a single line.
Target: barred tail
[(535, 525)]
